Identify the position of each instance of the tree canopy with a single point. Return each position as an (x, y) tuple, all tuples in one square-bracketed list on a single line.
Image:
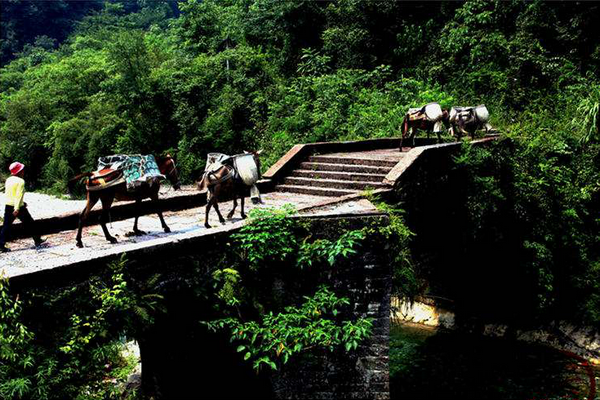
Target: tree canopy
[(201, 76)]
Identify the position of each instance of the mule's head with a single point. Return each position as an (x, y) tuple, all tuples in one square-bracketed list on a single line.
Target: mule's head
[(167, 167), (445, 117)]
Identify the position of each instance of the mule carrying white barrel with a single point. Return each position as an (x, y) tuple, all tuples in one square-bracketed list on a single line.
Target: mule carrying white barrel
[(244, 166), (461, 118)]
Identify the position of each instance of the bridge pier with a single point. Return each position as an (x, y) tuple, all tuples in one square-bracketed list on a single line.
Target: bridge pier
[(182, 359)]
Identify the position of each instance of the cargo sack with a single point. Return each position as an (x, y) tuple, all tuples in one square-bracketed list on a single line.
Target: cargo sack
[(433, 111), (137, 169), (246, 168)]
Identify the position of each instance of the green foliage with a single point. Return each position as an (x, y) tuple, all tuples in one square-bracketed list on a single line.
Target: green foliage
[(69, 343), (586, 119), (322, 250), (268, 329), (268, 236), (535, 200), (344, 105), (313, 63), (406, 280), (278, 336), (233, 75), (15, 340)]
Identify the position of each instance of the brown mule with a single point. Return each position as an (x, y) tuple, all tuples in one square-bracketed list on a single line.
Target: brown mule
[(108, 185), (417, 120), (225, 182)]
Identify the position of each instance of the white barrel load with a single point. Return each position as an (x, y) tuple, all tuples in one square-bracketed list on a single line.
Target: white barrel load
[(482, 113), (433, 112), (246, 168)]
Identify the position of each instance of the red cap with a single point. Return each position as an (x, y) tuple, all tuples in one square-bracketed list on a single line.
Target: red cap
[(15, 168)]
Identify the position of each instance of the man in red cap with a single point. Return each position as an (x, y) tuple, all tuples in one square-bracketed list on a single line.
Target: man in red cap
[(15, 206)]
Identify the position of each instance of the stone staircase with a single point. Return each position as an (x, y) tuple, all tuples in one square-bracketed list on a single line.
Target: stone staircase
[(334, 175)]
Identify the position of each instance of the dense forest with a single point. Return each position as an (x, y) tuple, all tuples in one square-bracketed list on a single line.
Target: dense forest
[(81, 80), (193, 77)]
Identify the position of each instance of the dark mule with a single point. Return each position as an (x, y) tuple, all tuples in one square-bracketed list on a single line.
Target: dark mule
[(417, 119), (225, 181), (108, 185), (468, 120)]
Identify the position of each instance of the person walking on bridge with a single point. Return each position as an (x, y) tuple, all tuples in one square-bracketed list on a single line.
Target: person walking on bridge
[(16, 207)]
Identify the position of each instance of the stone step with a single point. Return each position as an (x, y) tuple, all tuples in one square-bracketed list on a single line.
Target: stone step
[(344, 176), (353, 161), (314, 191), (344, 168), (333, 183)]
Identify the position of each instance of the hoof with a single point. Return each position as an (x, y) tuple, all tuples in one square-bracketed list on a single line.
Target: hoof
[(207, 226), (80, 245), (134, 233), (112, 240), (222, 221), (167, 229), (244, 216), (230, 215)]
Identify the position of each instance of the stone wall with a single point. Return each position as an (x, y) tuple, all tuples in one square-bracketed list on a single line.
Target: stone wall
[(364, 374)]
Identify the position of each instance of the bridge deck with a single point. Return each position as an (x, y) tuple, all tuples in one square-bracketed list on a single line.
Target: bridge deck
[(318, 179), (61, 250)]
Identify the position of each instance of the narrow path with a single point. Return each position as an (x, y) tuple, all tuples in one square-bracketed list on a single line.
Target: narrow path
[(61, 250)]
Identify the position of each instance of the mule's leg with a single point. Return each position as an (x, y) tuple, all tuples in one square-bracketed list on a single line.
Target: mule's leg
[(106, 203), (242, 204), (452, 131), (154, 198), (214, 198), (230, 215), (92, 199), (209, 205), (136, 231), (403, 132), (221, 219)]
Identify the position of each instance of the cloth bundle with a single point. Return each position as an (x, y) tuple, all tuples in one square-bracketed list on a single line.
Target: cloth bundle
[(137, 169)]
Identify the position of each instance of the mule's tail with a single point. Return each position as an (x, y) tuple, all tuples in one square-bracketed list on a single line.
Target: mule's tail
[(73, 181), (403, 131)]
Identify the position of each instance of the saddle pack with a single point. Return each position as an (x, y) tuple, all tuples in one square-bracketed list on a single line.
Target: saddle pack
[(134, 170), (431, 112), (105, 178)]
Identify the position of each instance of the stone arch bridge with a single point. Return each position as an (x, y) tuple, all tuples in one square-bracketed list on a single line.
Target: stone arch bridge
[(327, 183)]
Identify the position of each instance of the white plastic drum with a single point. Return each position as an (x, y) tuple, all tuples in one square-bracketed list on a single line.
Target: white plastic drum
[(482, 113), (247, 168), (433, 111)]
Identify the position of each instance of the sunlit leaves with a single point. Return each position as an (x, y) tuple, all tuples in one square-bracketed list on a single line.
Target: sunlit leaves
[(314, 324)]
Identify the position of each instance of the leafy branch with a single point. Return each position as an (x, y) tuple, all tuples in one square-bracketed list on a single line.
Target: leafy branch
[(278, 336)]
